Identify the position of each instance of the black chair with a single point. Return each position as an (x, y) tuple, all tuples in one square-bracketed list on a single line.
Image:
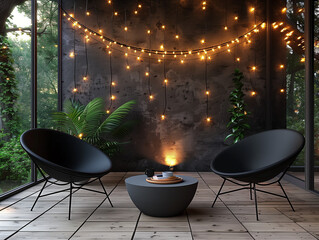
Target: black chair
[(257, 159), (65, 158)]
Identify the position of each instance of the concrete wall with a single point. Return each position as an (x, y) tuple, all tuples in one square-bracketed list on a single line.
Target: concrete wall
[(185, 130)]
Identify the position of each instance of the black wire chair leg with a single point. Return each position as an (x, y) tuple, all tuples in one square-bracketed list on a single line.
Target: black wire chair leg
[(70, 201), (286, 196), (46, 181), (219, 192), (105, 192), (250, 190), (256, 206)]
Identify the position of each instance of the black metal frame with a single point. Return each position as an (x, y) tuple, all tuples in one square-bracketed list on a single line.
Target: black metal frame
[(73, 185), (252, 186)]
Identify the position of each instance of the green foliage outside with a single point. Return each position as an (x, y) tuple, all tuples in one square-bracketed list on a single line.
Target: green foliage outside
[(14, 163), (91, 123), (238, 114)]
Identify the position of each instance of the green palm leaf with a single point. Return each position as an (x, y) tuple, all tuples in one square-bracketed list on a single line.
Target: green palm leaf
[(115, 119)]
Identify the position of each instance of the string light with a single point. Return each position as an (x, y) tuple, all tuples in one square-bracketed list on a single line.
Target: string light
[(113, 84), (74, 90), (127, 67), (80, 135), (253, 68), (281, 66), (236, 18), (225, 28), (208, 119), (163, 117), (238, 59), (284, 10), (282, 90), (148, 31), (252, 9), (125, 28), (85, 78), (168, 52), (151, 97), (303, 59), (88, 13), (112, 97), (176, 36), (71, 55), (108, 111), (116, 13), (253, 93)]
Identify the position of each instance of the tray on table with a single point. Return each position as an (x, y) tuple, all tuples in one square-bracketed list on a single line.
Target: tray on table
[(169, 180)]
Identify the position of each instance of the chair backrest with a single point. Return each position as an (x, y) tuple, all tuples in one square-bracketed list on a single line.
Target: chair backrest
[(260, 152), (63, 152)]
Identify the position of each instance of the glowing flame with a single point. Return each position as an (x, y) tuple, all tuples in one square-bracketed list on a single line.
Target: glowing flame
[(170, 160)]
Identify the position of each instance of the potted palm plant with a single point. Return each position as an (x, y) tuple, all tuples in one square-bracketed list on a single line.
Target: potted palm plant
[(91, 123)]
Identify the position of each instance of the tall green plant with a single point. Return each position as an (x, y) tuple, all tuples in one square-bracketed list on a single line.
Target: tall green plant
[(238, 114), (8, 89), (91, 123)]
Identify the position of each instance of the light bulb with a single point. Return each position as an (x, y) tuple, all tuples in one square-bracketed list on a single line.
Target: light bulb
[(147, 73), (127, 67), (208, 119), (177, 37), (284, 10), (113, 97), (113, 83), (163, 26), (148, 31), (235, 18), (202, 41), (253, 93), (115, 13), (252, 9), (85, 78), (165, 81), (182, 61), (107, 111), (281, 66), (282, 90), (74, 90), (163, 117), (125, 28), (253, 68), (162, 46), (207, 92), (151, 97), (302, 59), (80, 135), (135, 11), (140, 6), (88, 13), (71, 54), (225, 28)]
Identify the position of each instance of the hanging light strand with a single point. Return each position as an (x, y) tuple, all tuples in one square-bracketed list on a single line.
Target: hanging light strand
[(165, 90), (111, 84), (75, 90)]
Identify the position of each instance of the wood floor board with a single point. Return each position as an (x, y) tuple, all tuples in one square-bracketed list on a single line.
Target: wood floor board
[(232, 217)]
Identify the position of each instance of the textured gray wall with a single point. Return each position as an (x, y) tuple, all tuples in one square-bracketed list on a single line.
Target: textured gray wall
[(185, 130)]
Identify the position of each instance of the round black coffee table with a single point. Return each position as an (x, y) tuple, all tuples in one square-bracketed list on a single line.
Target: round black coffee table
[(161, 200)]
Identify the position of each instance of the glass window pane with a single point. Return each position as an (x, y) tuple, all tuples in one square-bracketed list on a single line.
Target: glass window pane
[(15, 166), (295, 77), (47, 62)]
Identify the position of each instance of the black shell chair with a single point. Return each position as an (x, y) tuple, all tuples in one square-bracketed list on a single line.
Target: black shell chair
[(258, 158), (65, 158)]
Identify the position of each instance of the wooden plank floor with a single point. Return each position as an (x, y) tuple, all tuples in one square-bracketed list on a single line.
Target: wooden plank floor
[(233, 216)]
